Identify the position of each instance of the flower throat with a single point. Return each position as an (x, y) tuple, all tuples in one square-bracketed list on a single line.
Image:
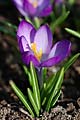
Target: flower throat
[(38, 54)]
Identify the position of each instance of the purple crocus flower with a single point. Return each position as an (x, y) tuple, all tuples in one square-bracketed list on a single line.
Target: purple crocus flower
[(36, 46), (34, 8), (58, 1)]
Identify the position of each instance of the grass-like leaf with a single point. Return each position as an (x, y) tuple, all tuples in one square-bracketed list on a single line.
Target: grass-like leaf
[(44, 72), (8, 32), (55, 90), (48, 85), (32, 100), (55, 99), (21, 97), (9, 24), (29, 75), (60, 20), (70, 61), (73, 32), (35, 87)]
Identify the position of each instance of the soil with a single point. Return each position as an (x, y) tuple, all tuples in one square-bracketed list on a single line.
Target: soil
[(68, 105)]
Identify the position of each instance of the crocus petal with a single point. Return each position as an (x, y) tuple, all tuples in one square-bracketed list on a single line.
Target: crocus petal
[(32, 35), (24, 29), (44, 4), (58, 1), (23, 44), (19, 5), (18, 2), (29, 8), (57, 54), (50, 62), (27, 57), (46, 11), (43, 39), (61, 49), (40, 2)]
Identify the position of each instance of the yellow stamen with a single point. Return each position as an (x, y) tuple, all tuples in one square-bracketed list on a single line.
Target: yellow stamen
[(34, 3), (37, 54)]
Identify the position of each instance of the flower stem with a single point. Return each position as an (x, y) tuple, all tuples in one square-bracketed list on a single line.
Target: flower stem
[(39, 73), (37, 22), (28, 19)]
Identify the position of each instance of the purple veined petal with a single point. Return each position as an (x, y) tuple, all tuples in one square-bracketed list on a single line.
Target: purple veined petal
[(22, 11), (61, 49), (29, 8), (27, 57), (43, 39), (18, 2), (23, 44), (58, 1), (32, 35), (44, 4), (19, 5), (40, 2), (50, 37), (50, 62), (24, 29), (42, 7), (46, 11), (57, 54)]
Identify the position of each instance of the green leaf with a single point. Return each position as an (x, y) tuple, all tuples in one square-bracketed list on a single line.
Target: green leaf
[(32, 100), (44, 72), (55, 90), (55, 99), (37, 22), (29, 75), (73, 32), (35, 86), (43, 93), (9, 24), (70, 61), (8, 28), (48, 85), (6, 31), (21, 97), (71, 2), (52, 16), (60, 20)]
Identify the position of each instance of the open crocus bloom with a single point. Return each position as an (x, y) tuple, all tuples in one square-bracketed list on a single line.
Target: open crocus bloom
[(33, 8), (36, 46)]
